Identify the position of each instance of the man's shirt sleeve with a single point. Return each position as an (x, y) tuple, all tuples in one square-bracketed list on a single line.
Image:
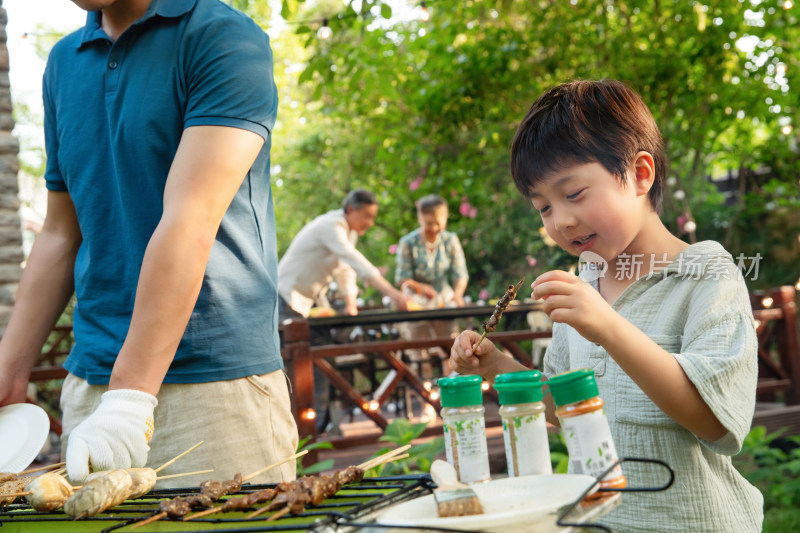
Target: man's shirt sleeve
[(52, 175), (229, 77), (340, 245)]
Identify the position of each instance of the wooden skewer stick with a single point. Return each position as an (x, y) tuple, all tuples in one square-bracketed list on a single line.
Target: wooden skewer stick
[(170, 476), (366, 465), (389, 460), (162, 467), (263, 510), (248, 477), (48, 467), (17, 494), (479, 341), (277, 515), (150, 520), (201, 514)]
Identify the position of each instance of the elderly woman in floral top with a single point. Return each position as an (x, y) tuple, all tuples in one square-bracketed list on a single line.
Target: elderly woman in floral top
[(431, 266)]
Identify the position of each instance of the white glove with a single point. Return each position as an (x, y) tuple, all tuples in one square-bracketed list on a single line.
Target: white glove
[(116, 435)]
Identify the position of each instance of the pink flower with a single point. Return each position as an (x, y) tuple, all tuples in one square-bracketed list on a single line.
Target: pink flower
[(414, 185), (683, 218), (392, 249), (531, 261), (484, 294), (473, 211), (464, 209)]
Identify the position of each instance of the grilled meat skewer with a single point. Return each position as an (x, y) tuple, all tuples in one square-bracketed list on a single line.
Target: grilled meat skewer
[(499, 308)]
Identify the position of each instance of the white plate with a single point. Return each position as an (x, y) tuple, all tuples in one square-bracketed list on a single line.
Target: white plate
[(23, 431), (506, 502)]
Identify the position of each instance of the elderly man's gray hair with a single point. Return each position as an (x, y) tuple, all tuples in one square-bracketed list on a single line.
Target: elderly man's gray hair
[(358, 199)]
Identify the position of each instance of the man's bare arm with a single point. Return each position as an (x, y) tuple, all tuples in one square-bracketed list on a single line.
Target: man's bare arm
[(208, 169), (46, 286)]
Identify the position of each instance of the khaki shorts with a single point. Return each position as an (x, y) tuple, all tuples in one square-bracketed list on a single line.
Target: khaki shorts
[(246, 424)]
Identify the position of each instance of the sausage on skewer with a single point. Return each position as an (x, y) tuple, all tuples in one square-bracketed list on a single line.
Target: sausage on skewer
[(48, 492), (99, 494)]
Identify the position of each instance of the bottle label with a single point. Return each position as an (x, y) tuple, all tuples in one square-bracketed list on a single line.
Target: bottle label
[(465, 447), (590, 446), (527, 448)]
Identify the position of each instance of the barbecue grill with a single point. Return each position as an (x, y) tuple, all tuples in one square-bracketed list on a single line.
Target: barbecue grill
[(353, 508), (352, 503)]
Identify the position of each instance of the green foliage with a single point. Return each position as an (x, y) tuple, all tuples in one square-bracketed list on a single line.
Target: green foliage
[(400, 432), (775, 471), (407, 108), (320, 466), (558, 452), (781, 520)]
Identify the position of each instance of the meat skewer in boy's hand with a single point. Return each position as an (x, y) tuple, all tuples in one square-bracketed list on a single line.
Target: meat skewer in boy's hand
[(484, 359), (499, 308)]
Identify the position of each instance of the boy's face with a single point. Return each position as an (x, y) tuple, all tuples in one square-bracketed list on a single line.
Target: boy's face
[(433, 223), (585, 207)]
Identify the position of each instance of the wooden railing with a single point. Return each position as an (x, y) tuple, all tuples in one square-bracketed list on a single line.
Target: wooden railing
[(778, 352), (776, 325), (301, 355)]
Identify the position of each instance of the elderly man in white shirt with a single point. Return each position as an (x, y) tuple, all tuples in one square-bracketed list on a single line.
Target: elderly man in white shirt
[(324, 250)]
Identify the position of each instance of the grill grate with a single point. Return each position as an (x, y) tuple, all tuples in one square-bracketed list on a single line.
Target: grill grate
[(349, 510), (351, 504)]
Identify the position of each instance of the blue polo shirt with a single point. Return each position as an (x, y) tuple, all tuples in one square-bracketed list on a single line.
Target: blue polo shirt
[(114, 115)]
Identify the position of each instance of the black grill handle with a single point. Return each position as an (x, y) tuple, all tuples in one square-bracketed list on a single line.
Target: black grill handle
[(601, 527)]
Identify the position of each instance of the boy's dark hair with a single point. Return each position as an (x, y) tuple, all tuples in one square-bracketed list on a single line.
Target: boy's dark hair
[(358, 199), (584, 122), (430, 203)]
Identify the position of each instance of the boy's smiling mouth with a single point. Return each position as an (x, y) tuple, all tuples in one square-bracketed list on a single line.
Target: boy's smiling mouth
[(585, 242)]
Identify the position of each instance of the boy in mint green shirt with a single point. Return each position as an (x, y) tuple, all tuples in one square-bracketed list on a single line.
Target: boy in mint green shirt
[(674, 349)]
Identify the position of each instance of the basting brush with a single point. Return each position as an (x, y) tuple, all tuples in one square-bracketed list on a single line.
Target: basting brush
[(453, 498)]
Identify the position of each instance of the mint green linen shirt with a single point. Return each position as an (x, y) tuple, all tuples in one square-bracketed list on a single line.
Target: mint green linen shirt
[(697, 309)]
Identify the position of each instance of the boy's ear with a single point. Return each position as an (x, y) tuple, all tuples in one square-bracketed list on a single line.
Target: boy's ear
[(644, 172)]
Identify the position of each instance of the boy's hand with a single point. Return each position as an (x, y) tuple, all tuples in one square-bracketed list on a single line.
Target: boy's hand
[(570, 300), (464, 361)]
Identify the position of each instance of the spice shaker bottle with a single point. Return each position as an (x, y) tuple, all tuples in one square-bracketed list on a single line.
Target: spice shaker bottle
[(579, 408), (464, 427), (524, 425)]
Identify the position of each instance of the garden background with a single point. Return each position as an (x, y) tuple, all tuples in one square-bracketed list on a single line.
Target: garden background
[(408, 100)]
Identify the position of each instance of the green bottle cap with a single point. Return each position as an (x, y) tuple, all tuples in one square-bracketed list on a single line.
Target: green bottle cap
[(519, 387), (574, 386), (461, 391)]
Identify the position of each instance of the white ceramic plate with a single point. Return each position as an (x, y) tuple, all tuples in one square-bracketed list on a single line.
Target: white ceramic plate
[(507, 504), (23, 431)]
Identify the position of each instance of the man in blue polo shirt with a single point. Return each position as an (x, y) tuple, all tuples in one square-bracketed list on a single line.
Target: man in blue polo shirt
[(158, 118)]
